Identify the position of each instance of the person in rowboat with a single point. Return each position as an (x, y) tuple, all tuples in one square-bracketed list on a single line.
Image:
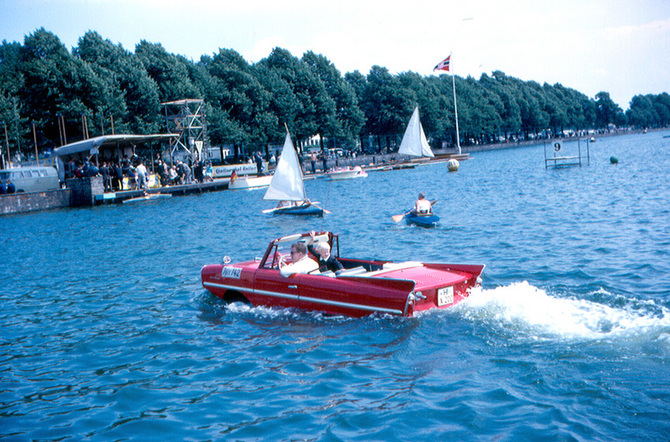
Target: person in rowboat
[(422, 206), (301, 263)]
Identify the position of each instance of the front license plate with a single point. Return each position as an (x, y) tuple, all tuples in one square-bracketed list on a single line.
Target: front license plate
[(445, 296)]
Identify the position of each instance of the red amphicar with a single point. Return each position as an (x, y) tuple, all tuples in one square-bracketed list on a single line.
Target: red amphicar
[(361, 288)]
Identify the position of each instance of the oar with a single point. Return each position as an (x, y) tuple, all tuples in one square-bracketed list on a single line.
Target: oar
[(397, 218), (324, 210)]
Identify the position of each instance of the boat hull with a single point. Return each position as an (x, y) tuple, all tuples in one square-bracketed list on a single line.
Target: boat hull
[(147, 198), (422, 220), (302, 210), (250, 182), (347, 174)]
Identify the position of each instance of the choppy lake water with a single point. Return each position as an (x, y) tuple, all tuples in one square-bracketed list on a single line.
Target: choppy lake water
[(107, 333)]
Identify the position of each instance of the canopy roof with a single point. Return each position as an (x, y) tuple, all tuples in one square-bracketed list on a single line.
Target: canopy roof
[(110, 141)]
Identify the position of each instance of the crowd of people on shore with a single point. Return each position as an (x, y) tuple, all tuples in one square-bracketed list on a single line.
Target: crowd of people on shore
[(133, 174)]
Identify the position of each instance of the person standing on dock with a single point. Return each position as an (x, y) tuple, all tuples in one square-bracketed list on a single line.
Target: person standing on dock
[(188, 174), (117, 181), (173, 177), (141, 172), (106, 180), (325, 162), (259, 163), (163, 172)]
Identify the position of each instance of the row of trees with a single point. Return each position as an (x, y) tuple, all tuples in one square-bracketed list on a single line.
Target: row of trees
[(98, 83)]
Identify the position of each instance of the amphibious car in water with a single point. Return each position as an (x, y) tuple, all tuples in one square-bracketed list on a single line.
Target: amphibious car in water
[(362, 288)]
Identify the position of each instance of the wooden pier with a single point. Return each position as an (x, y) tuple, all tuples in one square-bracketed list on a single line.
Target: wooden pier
[(181, 189)]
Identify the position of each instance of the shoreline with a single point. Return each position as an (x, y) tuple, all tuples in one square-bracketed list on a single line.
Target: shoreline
[(381, 159)]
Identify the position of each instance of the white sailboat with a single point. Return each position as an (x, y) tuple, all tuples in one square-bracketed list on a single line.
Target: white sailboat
[(287, 185), (347, 173), (414, 142), (249, 182)]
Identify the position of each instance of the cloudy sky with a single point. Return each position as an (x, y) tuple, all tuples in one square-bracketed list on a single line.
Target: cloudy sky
[(618, 46)]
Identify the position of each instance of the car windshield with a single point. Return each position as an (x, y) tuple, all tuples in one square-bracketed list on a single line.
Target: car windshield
[(281, 252)]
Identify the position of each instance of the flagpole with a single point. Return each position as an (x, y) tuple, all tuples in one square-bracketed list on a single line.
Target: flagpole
[(458, 137), (444, 65)]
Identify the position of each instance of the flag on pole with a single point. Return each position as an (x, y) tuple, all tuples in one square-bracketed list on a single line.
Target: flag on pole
[(233, 176), (443, 65)]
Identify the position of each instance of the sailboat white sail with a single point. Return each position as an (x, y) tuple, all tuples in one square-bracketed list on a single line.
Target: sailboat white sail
[(287, 183), (287, 186), (414, 141)]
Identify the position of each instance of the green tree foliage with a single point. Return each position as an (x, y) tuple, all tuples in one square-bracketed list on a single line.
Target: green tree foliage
[(241, 104), (348, 119), (11, 81), (309, 109), (426, 95), (607, 111), (649, 111), (387, 106), (57, 83), (247, 104), (169, 71), (133, 99)]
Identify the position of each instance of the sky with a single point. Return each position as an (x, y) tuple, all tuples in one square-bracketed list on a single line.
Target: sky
[(618, 46)]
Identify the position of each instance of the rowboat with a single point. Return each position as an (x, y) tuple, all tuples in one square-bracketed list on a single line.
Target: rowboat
[(147, 198)]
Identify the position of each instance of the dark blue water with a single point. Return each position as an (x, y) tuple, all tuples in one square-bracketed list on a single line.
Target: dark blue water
[(107, 334)]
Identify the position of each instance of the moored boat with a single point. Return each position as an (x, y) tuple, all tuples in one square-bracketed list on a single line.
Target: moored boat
[(148, 197), (250, 182), (347, 173), (362, 288)]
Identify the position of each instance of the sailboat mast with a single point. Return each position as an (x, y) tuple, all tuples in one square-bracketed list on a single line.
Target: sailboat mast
[(458, 137)]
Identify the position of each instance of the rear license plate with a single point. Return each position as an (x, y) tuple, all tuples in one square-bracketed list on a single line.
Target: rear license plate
[(445, 296)]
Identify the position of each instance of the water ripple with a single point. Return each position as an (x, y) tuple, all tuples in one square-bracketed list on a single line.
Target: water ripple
[(108, 334)]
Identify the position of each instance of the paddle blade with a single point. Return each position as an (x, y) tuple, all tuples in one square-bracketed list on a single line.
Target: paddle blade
[(324, 210), (397, 218)]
